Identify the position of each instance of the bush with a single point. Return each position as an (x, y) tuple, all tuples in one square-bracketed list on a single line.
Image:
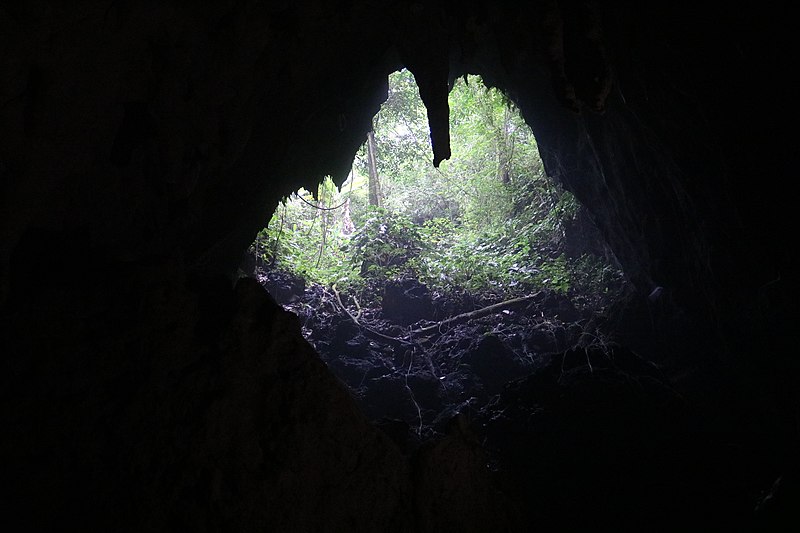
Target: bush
[(387, 245)]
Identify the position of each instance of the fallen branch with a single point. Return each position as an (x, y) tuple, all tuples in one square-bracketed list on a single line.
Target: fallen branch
[(458, 319), (478, 313), (376, 334)]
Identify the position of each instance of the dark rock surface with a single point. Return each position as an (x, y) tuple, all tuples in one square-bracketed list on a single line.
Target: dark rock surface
[(406, 301), (223, 436), (607, 433), (454, 490)]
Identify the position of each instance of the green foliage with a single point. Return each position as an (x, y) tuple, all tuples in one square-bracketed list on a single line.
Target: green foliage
[(488, 221), (309, 241), (386, 245), (595, 278), (555, 274), (473, 265)]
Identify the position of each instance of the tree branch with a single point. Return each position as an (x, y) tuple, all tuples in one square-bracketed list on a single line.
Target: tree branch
[(478, 313)]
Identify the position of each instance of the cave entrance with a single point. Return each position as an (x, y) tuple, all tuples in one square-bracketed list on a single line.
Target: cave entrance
[(427, 289)]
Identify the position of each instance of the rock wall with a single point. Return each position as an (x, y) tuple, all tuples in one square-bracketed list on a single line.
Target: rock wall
[(206, 418)]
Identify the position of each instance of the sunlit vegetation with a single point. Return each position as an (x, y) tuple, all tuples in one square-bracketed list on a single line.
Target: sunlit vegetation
[(488, 222)]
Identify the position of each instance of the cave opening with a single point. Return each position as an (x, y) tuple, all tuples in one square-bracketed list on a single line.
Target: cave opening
[(427, 288)]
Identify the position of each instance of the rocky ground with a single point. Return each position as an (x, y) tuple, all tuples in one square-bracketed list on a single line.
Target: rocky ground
[(533, 389), (411, 366)]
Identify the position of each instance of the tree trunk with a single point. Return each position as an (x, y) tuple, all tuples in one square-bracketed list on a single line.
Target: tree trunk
[(372, 161), (347, 223), (505, 149)]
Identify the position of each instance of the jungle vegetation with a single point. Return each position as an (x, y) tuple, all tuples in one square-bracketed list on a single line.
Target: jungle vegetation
[(488, 223)]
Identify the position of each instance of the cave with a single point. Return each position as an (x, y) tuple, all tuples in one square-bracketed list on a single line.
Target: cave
[(426, 290), (146, 387)]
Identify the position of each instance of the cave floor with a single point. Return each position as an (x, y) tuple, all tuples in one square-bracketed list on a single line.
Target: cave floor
[(418, 373), (565, 417)]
